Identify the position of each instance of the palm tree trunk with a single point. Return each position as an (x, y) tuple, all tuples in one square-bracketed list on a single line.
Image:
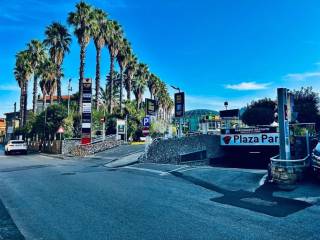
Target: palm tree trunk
[(81, 73), (128, 89), (25, 103), (51, 98), (35, 93), (121, 86), (59, 84), (98, 53), (21, 106), (111, 84), (44, 95)]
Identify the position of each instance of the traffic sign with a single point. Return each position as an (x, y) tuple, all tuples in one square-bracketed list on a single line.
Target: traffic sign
[(60, 130), (145, 131), (146, 122)]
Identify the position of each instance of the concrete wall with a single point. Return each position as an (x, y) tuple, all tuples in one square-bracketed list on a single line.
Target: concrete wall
[(169, 150)]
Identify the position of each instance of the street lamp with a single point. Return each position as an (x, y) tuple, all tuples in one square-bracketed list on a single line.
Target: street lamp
[(226, 104), (175, 88), (69, 89)]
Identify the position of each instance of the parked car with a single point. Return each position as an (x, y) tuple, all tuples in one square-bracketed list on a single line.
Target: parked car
[(316, 159), (16, 146)]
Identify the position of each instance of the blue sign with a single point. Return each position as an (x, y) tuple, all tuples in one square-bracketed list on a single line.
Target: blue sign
[(146, 122)]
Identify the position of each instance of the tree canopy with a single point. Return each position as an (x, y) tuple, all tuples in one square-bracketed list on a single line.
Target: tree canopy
[(259, 112)]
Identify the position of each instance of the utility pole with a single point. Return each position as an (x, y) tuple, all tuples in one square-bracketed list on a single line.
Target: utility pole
[(69, 89)]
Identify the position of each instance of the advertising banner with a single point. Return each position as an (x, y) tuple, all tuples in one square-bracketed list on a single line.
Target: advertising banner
[(258, 139), (151, 107), (86, 111)]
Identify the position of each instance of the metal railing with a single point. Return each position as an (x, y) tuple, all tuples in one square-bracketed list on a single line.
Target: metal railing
[(294, 163)]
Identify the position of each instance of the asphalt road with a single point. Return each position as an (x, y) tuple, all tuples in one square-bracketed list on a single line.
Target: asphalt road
[(49, 198)]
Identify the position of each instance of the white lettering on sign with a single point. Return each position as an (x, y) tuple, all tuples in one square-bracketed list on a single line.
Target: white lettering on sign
[(263, 139)]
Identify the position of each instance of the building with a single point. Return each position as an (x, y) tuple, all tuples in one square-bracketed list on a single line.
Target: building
[(193, 119), (55, 100), (2, 129), (12, 122)]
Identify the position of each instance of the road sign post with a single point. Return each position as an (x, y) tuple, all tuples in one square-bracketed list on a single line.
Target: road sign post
[(86, 111), (283, 123)]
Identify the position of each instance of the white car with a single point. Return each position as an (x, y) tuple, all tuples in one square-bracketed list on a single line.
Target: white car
[(16, 146)]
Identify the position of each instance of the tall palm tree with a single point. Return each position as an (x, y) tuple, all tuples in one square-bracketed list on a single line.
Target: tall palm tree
[(129, 74), (153, 85), (48, 83), (37, 54), (98, 32), (58, 41), (123, 58), (113, 40), (22, 72), (161, 98), (140, 82), (81, 20)]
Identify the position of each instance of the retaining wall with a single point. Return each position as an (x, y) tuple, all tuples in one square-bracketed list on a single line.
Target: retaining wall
[(170, 150)]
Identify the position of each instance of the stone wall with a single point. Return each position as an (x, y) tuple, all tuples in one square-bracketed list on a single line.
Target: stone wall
[(170, 150)]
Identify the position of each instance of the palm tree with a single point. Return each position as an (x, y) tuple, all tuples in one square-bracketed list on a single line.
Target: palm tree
[(58, 41), (37, 54), (140, 82), (98, 32), (123, 58), (81, 20), (113, 40), (129, 74), (48, 83), (161, 98), (22, 72), (153, 85)]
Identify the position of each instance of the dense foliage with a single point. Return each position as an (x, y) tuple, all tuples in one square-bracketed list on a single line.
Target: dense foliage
[(259, 112)]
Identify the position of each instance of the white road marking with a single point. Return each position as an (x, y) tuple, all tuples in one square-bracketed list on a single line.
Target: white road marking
[(263, 179), (145, 170), (174, 170), (309, 199)]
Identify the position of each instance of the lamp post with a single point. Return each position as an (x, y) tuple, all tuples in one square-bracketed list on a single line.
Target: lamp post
[(226, 105), (69, 89)]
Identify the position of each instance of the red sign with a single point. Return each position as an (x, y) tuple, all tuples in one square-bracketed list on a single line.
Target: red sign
[(85, 140), (60, 130), (145, 131)]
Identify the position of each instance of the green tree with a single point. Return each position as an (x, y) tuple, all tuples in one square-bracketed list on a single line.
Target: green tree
[(22, 72), (140, 82), (48, 122), (81, 20), (129, 74), (37, 55), (259, 112), (58, 41), (98, 32), (306, 104), (113, 40), (123, 58)]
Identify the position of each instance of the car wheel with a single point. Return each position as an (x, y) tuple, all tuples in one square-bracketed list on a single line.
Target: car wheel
[(5, 153), (25, 152)]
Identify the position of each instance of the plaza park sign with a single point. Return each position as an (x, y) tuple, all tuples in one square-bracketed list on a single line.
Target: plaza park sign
[(262, 136)]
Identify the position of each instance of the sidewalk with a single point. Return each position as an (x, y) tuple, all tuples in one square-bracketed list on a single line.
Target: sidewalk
[(124, 161)]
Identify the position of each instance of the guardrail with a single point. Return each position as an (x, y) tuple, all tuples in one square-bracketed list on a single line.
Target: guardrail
[(294, 163)]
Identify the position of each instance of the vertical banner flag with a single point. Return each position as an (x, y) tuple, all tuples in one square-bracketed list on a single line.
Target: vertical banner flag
[(179, 104), (86, 111), (151, 107)]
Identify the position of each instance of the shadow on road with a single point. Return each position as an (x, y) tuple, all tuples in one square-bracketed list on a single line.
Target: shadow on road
[(262, 200)]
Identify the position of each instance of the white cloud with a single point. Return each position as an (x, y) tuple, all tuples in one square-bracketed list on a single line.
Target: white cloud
[(13, 87), (244, 86), (303, 76)]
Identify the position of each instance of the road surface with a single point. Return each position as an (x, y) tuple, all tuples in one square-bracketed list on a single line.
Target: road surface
[(49, 198)]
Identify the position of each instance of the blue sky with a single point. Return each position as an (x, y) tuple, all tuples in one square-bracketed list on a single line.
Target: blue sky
[(235, 50)]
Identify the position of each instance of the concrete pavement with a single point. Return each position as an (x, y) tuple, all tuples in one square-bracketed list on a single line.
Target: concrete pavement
[(71, 199)]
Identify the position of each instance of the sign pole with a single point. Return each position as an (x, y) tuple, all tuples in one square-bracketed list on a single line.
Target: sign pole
[(283, 124)]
